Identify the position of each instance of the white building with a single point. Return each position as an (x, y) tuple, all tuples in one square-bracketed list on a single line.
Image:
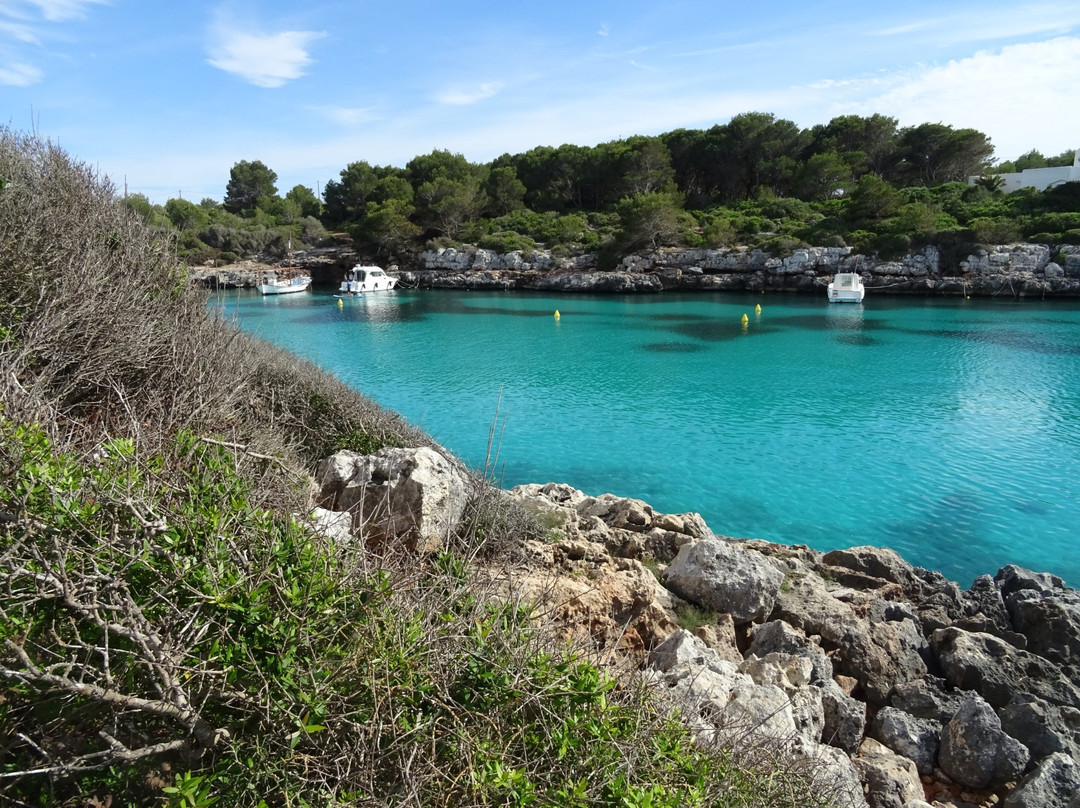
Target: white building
[(1041, 178)]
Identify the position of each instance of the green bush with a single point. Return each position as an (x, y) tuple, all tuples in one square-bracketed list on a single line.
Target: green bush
[(891, 245), (173, 628), (505, 242)]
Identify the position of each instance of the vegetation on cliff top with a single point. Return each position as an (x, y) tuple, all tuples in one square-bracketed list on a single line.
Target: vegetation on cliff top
[(861, 182), (173, 633)]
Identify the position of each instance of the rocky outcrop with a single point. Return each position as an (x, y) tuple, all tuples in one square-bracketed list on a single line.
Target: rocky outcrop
[(875, 672), (1018, 270), (1054, 784), (976, 752), (724, 576), (414, 497)]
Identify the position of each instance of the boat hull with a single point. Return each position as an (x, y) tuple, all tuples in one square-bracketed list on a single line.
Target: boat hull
[(844, 296), (846, 287), (283, 288), (268, 290), (363, 279)]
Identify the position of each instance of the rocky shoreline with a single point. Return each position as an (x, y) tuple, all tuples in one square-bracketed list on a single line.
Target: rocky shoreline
[(1017, 270), (893, 686)]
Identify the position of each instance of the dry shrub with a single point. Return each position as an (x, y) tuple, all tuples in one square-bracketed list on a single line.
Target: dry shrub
[(161, 606), (103, 335)]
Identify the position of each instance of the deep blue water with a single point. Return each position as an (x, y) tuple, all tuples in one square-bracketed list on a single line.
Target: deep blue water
[(946, 429)]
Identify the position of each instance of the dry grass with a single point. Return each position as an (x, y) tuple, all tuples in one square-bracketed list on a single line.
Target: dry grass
[(161, 605)]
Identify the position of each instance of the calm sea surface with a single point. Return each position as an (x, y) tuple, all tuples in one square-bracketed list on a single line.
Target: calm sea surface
[(948, 430)]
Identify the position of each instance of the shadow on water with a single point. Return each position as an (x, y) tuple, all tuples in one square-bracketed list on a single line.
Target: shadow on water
[(673, 347), (1016, 340), (508, 312), (947, 536), (855, 339), (721, 331)]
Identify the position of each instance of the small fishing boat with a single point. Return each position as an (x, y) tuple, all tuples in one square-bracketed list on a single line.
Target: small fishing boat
[(273, 285), (846, 287), (361, 279)]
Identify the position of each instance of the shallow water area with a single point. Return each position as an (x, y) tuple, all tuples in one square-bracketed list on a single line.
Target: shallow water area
[(946, 429)]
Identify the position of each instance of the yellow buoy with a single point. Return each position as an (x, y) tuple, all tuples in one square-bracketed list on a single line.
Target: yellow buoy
[(339, 302), (557, 315), (757, 308), (745, 319)]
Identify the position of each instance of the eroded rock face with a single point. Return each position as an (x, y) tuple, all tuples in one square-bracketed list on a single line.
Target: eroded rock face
[(997, 671), (891, 780), (1017, 269), (1045, 729), (917, 739), (414, 497), (1054, 784), (721, 575), (969, 683), (975, 752)]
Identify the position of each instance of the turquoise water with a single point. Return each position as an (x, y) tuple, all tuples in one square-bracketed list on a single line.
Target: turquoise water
[(948, 430)]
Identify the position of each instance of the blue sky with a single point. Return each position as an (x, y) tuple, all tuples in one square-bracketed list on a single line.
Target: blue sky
[(168, 96)]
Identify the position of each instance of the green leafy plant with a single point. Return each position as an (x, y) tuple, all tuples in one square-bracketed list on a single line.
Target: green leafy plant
[(190, 791)]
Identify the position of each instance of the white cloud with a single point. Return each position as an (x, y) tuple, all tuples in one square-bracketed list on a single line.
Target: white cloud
[(460, 97), (990, 24), (19, 32), (19, 74), (605, 29), (1021, 96), (265, 60), (57, 10)]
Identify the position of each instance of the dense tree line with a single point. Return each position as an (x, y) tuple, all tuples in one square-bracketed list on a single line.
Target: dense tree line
[(757, 180)]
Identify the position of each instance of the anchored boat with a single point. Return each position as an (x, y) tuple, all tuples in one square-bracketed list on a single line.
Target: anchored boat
[(273, 285), (846, 287), (361, 279)]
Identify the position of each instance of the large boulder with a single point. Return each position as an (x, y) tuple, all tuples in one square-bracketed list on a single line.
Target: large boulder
[(891, 780), (721, 575), (845, 717), (835, 776), (997, 671), (928, 698), (875, 562), (1050, 624), (879, 655), (415, 497), (1055, 783), (1043, 728), (976, 752), (776, 636), (1011, 579), (917, 739), (791, 674)]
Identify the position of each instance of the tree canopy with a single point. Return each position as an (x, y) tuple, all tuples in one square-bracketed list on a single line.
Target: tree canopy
[(760, 180), (248, 181)]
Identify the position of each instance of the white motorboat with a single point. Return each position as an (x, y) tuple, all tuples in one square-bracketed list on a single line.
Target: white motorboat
[(361, 279), (273, 285), (846, 287)]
